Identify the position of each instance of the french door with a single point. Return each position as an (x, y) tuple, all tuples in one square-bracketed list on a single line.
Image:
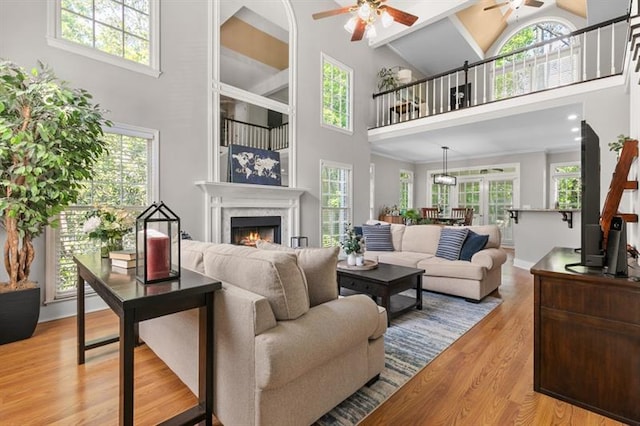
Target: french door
[(490, 199)]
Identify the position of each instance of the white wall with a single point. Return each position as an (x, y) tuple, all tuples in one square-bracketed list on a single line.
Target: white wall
[(387, 182)]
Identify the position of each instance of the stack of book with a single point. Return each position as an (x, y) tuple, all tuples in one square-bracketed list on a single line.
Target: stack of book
[(123, 259)]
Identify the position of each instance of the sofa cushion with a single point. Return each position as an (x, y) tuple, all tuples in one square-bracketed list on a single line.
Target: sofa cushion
[(439, 267), (191, 255), (401, 258), (473, 244), (421, 238), (319, 267), (274, 275), (450, 244), (377, 237), (493, 231)]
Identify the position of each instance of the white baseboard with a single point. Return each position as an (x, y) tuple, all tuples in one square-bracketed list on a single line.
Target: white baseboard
[(522, 264)]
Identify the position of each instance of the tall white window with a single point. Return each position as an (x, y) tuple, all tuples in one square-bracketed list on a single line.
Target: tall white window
[(121, 32), (124, 177), (566, 183), (336, 204), (337, 95), (539, 68), (406, 189)]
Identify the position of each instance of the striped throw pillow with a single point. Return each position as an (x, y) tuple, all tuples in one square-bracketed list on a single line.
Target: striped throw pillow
[(450, 244), (377, 237)]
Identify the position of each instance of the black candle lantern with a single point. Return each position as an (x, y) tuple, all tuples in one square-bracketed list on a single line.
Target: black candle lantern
[(157, 244)]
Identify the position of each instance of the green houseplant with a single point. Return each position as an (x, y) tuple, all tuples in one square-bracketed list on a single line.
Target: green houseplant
[(388, 78), (50, 137), (616, 146)]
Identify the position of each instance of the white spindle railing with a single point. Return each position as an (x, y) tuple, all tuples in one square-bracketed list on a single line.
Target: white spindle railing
[(573, 58), (247, 134)]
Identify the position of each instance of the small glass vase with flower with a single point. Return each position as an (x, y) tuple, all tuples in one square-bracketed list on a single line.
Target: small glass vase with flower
[(352, 246), (109, 225)]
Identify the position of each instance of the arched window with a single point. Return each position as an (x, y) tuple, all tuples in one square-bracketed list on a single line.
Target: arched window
[(530, 67)]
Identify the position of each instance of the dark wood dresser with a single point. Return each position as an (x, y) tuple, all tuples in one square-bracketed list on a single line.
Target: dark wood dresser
[(587, 337)]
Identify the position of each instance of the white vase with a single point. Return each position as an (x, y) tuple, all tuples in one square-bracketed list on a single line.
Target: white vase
[(351, 259), (359, 260)]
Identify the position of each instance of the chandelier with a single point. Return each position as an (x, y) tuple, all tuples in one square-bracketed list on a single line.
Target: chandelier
[(443, 178)]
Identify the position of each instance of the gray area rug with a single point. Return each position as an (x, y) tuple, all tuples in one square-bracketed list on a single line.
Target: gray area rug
[(413, 340)]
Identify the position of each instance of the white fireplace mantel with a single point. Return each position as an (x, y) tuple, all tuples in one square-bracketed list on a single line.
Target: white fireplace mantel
[(223, 199)]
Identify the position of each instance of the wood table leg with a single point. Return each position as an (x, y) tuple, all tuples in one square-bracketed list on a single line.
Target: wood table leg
[(205, 359), (386, 303), (80, 318), (419, 292), (127, 345)]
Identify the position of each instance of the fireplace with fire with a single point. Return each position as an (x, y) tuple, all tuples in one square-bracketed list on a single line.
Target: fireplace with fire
[(245, 231)]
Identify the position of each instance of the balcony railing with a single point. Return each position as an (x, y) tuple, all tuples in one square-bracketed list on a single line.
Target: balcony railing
[(588, 54), (255, 136)]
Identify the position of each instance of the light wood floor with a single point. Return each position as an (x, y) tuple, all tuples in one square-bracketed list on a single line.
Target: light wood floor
[(485, 378)]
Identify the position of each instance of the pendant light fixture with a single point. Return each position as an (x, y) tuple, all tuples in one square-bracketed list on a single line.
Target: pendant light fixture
[(443, 178)]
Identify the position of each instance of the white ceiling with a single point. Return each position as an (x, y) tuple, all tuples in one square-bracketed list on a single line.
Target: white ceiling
[(547, 130)]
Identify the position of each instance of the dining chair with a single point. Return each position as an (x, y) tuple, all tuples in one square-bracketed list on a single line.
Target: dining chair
[(458, 211), (468, 217), (429, 212)]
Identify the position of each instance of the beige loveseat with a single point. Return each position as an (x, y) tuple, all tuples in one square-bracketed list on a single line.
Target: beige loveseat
[(415, 246), (287, 349)]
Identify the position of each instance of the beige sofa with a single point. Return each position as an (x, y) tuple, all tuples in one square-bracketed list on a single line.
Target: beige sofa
[(415, 246), (287, 349)]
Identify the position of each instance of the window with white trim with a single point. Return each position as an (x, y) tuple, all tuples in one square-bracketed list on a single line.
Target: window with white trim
[(336, 202), (550, 65), (121, 32), (566, 183), (125, 177), (337, 96), (406, 189)]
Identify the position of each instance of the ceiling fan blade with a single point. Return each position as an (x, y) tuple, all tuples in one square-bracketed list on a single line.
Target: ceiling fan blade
[(496, 5), (507, 14), (534, 3), (400, 16), (358, 32), (333, 12)]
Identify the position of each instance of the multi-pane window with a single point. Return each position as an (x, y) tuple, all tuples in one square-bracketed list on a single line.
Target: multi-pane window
[(337, 97), (122, 179), (406, 190), (336, 201), (567, 185), (123, 29), (547, 66), (440, 196)]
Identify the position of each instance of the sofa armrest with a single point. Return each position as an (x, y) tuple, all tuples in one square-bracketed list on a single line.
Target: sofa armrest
[(490, 258)]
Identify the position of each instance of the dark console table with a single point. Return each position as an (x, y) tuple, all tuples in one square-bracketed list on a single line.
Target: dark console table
[(587, 337), (133, 302)]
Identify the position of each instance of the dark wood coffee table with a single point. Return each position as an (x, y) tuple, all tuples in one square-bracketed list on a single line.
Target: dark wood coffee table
[(385, 282)]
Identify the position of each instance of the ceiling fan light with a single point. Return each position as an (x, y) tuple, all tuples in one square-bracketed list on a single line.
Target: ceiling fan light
[(386, 19), (371, 31), (364, 11), (515, 4), (350, 26)]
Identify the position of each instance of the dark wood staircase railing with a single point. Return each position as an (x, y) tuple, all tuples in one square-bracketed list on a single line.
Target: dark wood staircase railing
[(619, 183)]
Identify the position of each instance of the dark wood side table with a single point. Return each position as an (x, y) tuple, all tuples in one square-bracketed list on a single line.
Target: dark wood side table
[(133, 302), (586, 337), (386, 281)]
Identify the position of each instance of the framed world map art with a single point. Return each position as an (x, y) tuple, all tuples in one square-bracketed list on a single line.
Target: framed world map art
[(254, 165)]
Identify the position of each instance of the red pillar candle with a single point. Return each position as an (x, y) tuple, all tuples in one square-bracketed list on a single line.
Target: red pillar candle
[(158, 257)]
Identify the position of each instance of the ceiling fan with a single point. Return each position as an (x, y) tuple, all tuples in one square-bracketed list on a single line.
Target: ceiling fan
[(365, 13), (514, 5)]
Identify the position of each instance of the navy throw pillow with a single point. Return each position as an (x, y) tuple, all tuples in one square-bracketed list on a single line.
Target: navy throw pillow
[(377, 237), (473, 244), (450, 244)]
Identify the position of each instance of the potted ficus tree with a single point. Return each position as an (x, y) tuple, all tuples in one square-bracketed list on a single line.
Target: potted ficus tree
[(50, 137)]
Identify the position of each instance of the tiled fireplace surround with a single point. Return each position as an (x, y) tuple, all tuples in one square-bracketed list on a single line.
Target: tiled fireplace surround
[(226, 200)]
